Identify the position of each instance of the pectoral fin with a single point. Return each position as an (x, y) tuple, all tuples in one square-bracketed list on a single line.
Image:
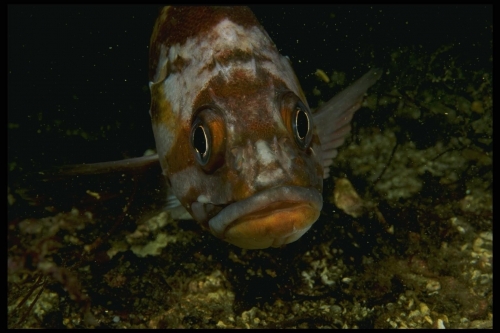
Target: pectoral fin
[(136, 183), (134, 165), (333, 119)]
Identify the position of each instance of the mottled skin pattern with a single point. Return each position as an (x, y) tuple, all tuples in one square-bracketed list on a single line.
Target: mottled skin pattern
[(219, 65), (216, 66)]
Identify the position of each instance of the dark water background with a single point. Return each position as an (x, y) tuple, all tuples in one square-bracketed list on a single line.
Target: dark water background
[(77, 75)]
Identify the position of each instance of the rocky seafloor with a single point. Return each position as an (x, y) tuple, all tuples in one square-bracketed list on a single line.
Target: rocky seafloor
[(404, 240)]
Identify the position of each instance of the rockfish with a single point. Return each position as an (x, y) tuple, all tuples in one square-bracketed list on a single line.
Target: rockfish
[(239, 147)]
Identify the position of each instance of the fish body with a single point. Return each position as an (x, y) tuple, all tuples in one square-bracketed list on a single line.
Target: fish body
[(240, 150), (239, 147)]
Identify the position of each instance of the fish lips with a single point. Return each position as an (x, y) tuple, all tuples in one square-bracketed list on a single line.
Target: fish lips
[(272, 217)]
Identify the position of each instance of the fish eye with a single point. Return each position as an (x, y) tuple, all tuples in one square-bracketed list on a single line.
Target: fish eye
[(301, 126), (201, 143), (297, 119), (208, 133)]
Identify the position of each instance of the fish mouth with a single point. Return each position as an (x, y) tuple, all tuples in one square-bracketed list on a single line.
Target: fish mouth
[(270, 218)]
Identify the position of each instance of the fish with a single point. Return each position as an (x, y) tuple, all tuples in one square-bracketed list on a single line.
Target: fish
[(241, 152)]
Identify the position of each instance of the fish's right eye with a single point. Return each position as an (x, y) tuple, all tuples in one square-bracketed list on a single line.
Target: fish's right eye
[(208, 139), (201, 141)]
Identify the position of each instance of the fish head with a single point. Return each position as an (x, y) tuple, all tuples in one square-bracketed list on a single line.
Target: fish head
[(234, 133)]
